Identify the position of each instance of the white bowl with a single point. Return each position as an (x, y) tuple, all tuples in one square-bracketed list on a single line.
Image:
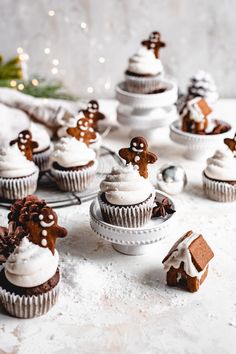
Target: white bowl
[(197, 147), (163, 99), (131, 241)]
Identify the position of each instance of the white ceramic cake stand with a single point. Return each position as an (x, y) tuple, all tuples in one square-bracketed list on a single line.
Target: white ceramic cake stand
[(197, 147), (132, 241), (144, 114)]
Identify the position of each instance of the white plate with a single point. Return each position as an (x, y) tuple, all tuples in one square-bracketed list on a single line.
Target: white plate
[(132, 241)]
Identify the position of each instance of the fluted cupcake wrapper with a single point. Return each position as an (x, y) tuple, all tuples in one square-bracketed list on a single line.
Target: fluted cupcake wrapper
[(127, 216), (74, 181), (219, 191), (15, 188), (42, 159), (29, 306), (142, 84)]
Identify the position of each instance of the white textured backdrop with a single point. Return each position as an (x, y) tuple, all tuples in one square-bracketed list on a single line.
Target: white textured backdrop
[(92, 39)]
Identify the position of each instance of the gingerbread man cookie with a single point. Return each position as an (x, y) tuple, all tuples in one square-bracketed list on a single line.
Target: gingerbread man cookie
[(38, 220), (25, 143), (92, 114), (138, 155), (83, 132), (154, 43), (231, 143)]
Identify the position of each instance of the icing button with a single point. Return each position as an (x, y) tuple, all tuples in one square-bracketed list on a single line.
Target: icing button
[(44, 242)]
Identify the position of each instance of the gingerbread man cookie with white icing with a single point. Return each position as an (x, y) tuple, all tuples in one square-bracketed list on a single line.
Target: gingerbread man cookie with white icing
[(38, 220), (154, 43), (92, 114), (83, 131), (25, 143), (138, 155)]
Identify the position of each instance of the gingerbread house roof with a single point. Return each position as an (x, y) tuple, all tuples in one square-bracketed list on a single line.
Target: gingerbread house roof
[(200, 251), (197, 104)]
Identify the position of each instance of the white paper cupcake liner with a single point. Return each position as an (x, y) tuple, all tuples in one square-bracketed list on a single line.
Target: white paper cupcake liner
[(29, 306), (219, 191), (143, 84), (15, 188), (42, 159), (74, 181), (127, 216)]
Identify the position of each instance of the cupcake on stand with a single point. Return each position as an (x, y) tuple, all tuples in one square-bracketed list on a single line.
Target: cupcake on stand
[(197, 130), (146, 98), (128, 211)]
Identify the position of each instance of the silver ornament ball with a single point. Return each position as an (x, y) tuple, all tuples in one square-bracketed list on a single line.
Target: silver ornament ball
[(171, 178)]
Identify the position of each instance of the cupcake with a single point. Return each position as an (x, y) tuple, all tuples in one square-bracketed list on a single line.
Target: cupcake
[(29, 281), (41, 153), (219, 177), (127, 197), (74, 164), (18, 175), (145, 68)]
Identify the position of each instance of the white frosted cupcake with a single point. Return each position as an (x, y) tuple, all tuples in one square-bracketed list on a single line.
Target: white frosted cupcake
[(18, 176), (74, 164), (41, 154), (219, 177), (126, 198), (144, 72), (203, 85)]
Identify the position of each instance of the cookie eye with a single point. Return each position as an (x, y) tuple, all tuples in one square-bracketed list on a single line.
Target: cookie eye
[(40, 216), (27, 136), (50, 217), (80, 122), (141, 145), (135, 144), (89, 105), (20, 135)]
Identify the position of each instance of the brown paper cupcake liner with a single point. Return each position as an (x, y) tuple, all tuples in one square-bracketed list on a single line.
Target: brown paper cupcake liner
[(142, 85), (127, 216), (42, 159), (74, 181), (15, 188), (220, 191), (29, 306)]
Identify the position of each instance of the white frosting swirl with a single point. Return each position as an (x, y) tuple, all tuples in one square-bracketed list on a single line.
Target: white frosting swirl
[(221, 166), (30, 265), (70, 152), (14, 164), (41, 136), (144, 62), (125, 186)]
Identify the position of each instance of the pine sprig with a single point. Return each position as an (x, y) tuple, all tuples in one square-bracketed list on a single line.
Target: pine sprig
[(11, 75)]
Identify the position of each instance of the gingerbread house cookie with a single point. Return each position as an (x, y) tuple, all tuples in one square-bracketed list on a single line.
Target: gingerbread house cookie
[(194, 115), (138, 155), (187, 262), (92, 114)]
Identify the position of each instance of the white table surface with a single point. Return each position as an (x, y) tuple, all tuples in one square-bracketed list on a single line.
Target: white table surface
[(112, 303)]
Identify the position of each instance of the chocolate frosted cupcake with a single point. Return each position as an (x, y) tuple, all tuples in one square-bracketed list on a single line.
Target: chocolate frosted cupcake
[(145, 68), (18, 175), (126, 198), (41, 153), (74, 164), (219, 177), (29, 281)]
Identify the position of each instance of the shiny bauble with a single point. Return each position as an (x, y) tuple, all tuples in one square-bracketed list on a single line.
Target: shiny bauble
[(171, 178)]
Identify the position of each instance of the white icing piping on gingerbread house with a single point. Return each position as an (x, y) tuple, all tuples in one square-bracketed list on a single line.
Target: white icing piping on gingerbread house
[(182, 254)]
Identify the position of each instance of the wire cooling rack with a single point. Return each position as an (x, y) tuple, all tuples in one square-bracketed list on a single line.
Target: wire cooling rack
[(55, 198)]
